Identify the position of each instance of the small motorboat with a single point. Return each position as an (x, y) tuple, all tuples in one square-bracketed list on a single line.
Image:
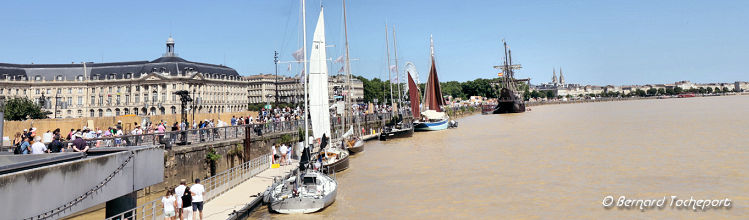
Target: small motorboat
[(356, 147)]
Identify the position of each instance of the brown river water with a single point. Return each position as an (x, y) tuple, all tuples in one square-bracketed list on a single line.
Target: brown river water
[(556, 162)]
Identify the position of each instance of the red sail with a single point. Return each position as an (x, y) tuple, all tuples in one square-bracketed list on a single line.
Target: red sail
[(433, 98), (413, 95)]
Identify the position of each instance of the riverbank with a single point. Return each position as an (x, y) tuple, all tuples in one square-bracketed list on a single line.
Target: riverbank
[(614, 99)]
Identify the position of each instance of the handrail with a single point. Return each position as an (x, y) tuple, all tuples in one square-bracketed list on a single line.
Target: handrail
[(214, 186), (210, 135)]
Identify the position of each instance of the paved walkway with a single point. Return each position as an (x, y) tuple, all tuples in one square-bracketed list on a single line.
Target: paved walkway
[(236, 198)]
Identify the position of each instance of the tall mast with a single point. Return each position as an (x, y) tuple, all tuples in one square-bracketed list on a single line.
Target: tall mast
[(306, 74), (397, 70), (507, 67), (349, 91), (387, 42)]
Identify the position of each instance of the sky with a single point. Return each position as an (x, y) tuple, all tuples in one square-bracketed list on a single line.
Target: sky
[(597, 42)]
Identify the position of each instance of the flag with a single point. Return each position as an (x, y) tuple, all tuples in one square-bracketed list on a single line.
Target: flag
[(289, 68), (393, 68), (341, 70), (302, 77), (499, 74), (339, 59), (298, 54)]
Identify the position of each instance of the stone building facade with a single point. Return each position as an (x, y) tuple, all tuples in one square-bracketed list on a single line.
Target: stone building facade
[(122, 88)]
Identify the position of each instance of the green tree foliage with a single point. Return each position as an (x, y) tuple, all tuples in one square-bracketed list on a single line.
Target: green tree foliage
[(375, 89), (661, 91), (652, 91), (453, 88), (18, 109), (670, 91), (709, 89)]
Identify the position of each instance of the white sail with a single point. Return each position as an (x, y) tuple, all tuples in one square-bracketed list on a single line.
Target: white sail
[(318, 83)]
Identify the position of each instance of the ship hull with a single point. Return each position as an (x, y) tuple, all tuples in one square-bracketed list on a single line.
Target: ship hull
[(396, 133), (431, 126), (506, 107)]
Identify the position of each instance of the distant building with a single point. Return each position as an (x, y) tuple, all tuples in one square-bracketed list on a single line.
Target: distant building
[(121, 88), (262, 88)]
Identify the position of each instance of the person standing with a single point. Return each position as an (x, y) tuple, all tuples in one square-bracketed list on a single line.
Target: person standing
[(180, 190), (284, 150), (47, 137), (275, 154), (169, 203), (197, 190), (38, 147), (186, 206)]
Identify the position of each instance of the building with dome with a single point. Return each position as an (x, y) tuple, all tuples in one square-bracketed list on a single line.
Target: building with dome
[(123, 88)]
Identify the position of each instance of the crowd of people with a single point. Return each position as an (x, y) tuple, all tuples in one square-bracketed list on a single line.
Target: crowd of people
[(28, 142), (183, 203)]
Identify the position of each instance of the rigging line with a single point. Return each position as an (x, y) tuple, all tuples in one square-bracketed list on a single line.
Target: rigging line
[(286, 29)]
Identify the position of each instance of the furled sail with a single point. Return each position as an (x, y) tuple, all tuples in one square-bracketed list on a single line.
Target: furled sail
[(318, 83), (413, 95), (433, 97)]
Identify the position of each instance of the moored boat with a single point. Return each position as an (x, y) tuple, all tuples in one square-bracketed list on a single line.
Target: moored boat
[(308, 192), (432, 119)]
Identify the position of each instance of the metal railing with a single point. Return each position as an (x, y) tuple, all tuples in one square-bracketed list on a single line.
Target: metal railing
[(214, 186), (211, 135)]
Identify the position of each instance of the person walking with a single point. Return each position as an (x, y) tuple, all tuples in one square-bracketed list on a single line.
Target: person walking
[(180, 190), (169, 203), (186, 206), (197, 190)]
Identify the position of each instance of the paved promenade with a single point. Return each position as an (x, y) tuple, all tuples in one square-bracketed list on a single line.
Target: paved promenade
[(236, 198)]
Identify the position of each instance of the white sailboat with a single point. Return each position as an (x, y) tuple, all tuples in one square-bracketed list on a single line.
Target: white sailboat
[(310, 190), (335, 158)]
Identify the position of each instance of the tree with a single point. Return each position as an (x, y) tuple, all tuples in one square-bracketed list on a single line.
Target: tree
[(709, 89), (670, 91), (549, 94), (725, 89), (661, 91), (640, 92), (678, 90), (453, 88), (702, 90), (18, 109), (652, 91)]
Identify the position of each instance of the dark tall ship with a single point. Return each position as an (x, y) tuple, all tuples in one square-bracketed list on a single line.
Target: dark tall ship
[(508, 101)]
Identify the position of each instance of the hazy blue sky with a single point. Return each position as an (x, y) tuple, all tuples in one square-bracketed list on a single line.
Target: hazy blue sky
[(595, 42)]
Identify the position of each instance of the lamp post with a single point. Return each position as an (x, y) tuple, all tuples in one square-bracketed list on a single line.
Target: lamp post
[(275, 61)]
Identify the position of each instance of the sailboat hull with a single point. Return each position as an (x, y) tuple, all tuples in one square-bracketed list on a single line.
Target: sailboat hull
[(357, 148), (337, 166), (431, 126)]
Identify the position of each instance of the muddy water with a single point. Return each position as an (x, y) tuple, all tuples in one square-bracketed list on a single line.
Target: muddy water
[(556, 162)]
